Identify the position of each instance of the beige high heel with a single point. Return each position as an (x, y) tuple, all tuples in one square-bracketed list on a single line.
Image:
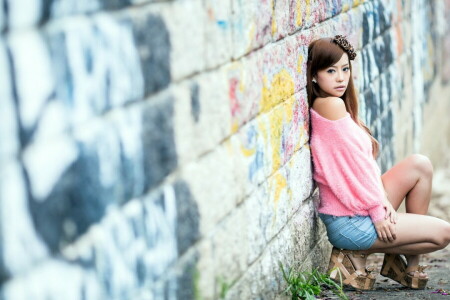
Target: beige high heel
[(342, 268), (394, 267)]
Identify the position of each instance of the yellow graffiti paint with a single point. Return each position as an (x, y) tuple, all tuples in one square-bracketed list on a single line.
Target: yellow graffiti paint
[(251, 35), (274, 21), (234, 126), (228, 146), (276, 131), (308, 9), (247, 152), (345, 7), (298, 16), (281, 88), (300, 64), (301, 132), (241, 82), (278, 184), (289, 109), (262, 128), (274, 26)]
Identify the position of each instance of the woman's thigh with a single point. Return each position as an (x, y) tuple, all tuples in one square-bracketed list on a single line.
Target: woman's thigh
[(400, 179), (413, 228)]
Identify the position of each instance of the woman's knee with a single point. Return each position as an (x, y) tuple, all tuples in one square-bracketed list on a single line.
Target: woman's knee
[(423, 164), (443, 239), (447, 230)]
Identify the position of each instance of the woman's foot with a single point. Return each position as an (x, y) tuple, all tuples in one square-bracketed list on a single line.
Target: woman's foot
[(359, 259), (406, 272), (348, 267), (413, 262)]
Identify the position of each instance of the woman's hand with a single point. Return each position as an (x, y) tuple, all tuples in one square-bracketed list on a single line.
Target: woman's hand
[(391, 214), (385, 230)]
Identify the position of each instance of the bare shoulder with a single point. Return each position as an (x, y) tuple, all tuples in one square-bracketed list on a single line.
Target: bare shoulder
[(332, 108)]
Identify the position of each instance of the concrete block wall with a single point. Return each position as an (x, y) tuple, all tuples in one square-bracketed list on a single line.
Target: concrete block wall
[(159, 149)]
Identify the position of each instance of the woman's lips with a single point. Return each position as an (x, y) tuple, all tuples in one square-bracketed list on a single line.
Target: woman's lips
[(340, 88)]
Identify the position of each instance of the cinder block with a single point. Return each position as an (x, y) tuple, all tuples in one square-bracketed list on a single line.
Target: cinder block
[(184, 25), (230, 246), (34, 79), (252, 25), (245, 85), (46, 282), (206, 281), (306, 14), (297, 57), (202, 114), (264, 276), (108, 161), (9, 131), (281, 19), (140, 245), (16, 224), (212, 185), (22, 13), (218, 31), (96, 64), (263, 80), (287, 189), (268, 142), (2, 16)]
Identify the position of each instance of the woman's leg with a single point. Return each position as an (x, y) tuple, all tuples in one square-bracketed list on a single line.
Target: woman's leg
[(411, 178), (416, 234)]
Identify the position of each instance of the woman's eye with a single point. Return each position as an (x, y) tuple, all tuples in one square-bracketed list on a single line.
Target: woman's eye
[(346, 69), (330, 71)]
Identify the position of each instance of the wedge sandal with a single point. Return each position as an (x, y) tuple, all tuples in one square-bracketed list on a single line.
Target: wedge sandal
[(414, 280), (394, 267), (341, 269)]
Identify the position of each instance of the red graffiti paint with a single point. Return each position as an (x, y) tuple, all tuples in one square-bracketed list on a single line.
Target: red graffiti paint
[(233, 99)]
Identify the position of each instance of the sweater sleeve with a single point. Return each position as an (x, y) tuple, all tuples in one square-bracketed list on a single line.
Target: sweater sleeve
[(351, 172)]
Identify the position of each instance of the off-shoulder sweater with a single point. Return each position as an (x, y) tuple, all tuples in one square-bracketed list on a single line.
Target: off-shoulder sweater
[(347, 175)]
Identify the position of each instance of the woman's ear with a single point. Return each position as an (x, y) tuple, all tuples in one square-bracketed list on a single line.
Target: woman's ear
[(314, 80)]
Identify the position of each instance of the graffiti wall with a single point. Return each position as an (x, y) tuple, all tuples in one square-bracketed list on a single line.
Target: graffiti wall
[(160, 149)]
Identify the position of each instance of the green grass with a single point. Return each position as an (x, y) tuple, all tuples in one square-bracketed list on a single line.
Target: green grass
[(224, 286), (307, 285)]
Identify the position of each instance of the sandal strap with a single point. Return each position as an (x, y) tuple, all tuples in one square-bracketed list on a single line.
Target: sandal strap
[(396, 263), (352, 252), (417, 268), (370, 272), (337, 259)]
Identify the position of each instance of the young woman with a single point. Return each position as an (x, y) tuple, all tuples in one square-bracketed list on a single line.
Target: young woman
[(357, 204)]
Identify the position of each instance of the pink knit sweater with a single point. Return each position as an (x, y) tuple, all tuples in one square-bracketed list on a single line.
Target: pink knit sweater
[(347, 175)]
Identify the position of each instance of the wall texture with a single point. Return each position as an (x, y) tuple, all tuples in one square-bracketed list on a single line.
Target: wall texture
[(159, 149)]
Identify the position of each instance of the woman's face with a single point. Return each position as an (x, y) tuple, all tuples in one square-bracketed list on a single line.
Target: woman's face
[(334, 79)]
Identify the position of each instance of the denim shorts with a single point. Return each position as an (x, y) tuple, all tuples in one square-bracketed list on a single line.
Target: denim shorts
[(351, 233)]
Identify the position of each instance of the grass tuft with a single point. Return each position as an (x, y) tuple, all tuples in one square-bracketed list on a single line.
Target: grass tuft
[(307, 285)]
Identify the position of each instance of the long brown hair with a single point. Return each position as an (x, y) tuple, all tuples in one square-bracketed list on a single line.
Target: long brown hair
[(323, 53)]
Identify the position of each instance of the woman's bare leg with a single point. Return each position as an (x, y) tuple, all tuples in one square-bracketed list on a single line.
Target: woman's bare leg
[(416, 234), (411, 178)]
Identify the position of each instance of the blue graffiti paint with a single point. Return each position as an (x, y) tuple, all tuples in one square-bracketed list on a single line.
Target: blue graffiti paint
[(222, 24), (255, 165), (251, 135)]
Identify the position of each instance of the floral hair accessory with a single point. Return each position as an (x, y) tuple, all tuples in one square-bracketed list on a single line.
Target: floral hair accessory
[(345, 45)]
